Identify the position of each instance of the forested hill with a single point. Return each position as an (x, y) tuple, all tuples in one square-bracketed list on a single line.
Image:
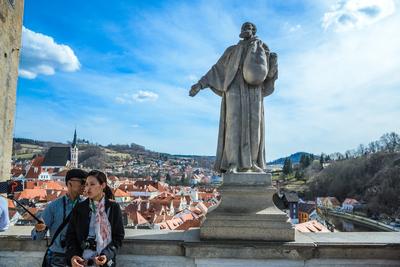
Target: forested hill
[(295, 158), (372, 178)]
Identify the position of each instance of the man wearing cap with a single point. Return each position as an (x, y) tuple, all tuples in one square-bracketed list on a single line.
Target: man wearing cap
[(54, 215)]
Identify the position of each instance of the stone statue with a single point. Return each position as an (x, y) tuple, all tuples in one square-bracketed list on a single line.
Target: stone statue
[(243, 76)]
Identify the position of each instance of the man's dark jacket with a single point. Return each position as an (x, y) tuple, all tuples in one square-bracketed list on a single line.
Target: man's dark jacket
[(78, 230)]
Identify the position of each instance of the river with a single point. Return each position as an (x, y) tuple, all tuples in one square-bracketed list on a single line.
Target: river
[(343, 225)]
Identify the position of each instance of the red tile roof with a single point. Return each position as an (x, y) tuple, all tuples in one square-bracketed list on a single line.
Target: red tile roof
[(187, 217), (174, 223), (151, 188), (189, 224), (50, 185), (37, 161), (137, 218), (33, 172), (205, 196), (311, 226), (162, 218), (30, 184), (37, 194), (128, 187), (119, 193)]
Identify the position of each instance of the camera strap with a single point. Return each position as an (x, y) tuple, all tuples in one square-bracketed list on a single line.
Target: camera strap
[(65, 220), (58, 231), (60, 228)]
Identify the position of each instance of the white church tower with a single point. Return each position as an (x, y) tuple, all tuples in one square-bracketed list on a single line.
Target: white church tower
[(74, 153)]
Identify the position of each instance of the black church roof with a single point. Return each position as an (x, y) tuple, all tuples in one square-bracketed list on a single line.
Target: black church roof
[(57, 156)]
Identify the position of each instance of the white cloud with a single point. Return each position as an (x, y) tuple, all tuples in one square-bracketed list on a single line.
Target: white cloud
[(141, 96), (355, 14), (41, 55), (340, 93), (144, 96), (27, 74)]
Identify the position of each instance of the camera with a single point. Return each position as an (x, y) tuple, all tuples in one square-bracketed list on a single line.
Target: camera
[(10, 187), (89, 243)]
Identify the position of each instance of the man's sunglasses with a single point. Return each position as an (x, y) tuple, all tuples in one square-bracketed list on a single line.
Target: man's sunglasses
[(82, 181)]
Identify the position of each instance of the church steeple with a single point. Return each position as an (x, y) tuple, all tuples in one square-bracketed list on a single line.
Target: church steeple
[(74, 141), (74, 152)]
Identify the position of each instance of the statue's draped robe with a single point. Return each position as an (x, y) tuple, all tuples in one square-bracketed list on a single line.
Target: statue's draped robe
[(241, 127)]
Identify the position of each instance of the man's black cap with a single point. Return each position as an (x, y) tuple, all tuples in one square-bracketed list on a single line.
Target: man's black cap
[(75, 173)]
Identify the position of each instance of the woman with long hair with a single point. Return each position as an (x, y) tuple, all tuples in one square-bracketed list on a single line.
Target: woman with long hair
[(96, 230)]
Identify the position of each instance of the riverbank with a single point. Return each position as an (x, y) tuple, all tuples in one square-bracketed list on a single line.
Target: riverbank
[(361, 220)]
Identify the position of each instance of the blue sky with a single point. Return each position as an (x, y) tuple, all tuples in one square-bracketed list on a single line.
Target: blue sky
[(120, 72)]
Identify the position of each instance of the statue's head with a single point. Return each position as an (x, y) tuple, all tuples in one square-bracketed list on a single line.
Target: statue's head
[(248, 30)]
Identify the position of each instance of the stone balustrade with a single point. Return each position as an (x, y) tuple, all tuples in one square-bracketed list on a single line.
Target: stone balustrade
[(179, 248)]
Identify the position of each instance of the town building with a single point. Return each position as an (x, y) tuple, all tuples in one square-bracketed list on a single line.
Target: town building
[(349, 204), (305, 210)]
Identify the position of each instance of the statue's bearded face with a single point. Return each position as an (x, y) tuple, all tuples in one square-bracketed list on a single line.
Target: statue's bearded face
[(248, 31)]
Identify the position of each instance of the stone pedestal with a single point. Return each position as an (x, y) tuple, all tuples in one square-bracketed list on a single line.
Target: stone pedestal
[(247, 212)]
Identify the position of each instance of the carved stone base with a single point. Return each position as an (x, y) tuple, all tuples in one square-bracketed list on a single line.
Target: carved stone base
[(247, 211)]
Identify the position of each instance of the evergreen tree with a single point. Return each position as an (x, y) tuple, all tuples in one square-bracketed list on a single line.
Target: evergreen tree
[(327, 158), (322, 160), (287, 166), (304, 161)]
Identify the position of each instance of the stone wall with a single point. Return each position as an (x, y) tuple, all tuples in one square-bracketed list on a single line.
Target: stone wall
[(11, 12), (178, 248)]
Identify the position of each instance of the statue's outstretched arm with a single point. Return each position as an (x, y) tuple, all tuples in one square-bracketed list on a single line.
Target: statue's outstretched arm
[(214, 78)]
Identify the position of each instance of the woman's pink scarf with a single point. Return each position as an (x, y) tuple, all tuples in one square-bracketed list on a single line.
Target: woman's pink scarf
[(102, 227)]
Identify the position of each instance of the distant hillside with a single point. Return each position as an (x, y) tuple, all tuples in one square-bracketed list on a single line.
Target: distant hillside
[(295, 158), (24, 148), (98, 156), (373, 178)]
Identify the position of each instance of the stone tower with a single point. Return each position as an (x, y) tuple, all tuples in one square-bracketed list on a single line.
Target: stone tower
[(74, 152), (11, 12)]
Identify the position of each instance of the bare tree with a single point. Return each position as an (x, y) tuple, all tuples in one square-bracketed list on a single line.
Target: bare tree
[(390, 142)]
